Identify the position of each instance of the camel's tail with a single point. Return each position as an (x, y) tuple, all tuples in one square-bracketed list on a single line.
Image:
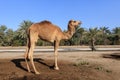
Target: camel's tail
[(28, 45), (27, 51)]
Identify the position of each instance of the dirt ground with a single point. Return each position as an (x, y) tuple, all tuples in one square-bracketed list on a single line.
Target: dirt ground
[(84, 65)]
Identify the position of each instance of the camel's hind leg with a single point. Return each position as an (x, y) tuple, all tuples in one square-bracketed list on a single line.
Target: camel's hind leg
[(31, 58), (33, 40), (26, 60), (27, 53)]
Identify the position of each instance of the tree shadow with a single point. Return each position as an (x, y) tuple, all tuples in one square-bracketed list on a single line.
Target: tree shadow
[(18, 63), (112, 56)]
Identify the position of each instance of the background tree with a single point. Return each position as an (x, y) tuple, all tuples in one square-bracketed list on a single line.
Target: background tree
[(80, 32), (21, 33), (9, 37), (116, 35), (103, 34), (92, 35), (3, 28)]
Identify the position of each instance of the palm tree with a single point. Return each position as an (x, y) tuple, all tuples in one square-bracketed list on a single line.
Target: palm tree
[(23, 27), (6, 36), (80, 33), (92, 34), (116, 33), (3, 28), (104, 32), (9, 37), (22, 31)]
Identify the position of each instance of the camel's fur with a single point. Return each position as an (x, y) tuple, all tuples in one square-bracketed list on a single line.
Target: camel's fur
[(47, 31)]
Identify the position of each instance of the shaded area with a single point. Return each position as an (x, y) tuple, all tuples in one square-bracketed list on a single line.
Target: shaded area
[(112, 56), (18, 63)]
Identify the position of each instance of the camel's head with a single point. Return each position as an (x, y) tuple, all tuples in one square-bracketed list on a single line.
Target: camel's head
[(73, 25)]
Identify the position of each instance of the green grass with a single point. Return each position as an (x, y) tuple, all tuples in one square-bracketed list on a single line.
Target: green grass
[(81, 63), (96, 67), (100, 68)]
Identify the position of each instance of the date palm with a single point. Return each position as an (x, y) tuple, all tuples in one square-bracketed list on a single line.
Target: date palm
[(116, 33), (104, 32), (21, 32), (92, 34), (9, 37), (81, 32), (3, 28)]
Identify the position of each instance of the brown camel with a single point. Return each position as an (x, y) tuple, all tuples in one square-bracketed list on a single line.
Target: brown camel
[(47, 31)]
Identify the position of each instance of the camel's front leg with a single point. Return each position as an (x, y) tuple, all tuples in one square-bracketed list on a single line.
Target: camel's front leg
[(56, 45)]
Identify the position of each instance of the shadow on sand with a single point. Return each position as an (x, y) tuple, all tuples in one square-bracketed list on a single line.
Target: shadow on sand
[(112, 56), (18, 63)]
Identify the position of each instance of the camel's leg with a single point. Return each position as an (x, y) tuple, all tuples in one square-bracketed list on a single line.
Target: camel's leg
[(33, 39), (26, 60), (27, 65), (26, 55), (56, 45), (31, 57)]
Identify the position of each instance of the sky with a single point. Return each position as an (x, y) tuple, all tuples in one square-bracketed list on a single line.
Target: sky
[(92, 13)]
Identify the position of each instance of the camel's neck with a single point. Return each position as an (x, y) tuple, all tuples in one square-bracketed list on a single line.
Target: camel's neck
[(68, 34)]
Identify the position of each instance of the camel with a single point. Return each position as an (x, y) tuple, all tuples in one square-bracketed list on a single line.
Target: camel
[(47, 31)]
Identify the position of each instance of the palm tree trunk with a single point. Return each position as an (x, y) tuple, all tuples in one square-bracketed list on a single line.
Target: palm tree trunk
[(93, 44)]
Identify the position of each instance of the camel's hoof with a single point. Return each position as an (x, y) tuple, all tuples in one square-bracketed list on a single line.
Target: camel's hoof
[(37, 72), (56, 68)]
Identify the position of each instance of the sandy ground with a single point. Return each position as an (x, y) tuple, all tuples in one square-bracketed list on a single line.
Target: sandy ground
[(80, 65)]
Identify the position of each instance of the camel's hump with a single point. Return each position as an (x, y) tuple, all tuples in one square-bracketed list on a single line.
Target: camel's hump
[(45, 22)]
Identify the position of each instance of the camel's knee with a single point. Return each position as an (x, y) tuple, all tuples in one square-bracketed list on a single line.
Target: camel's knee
[(56, 55), (27, 56)]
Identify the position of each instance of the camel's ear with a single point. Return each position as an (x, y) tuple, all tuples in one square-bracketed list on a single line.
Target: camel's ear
[(69, 23)]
